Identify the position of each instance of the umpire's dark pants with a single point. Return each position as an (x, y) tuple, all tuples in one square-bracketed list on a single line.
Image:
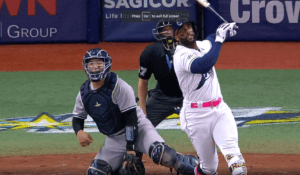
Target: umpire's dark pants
[(159, 106)]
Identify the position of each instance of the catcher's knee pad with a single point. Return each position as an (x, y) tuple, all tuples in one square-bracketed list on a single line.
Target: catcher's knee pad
[(236, 164), (164, 155), (99, 167)]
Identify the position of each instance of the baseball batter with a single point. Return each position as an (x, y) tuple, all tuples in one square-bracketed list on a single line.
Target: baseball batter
[(205, 117), (110, 101)]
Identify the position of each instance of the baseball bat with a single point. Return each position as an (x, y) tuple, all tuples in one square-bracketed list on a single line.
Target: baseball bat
[(206, 4)]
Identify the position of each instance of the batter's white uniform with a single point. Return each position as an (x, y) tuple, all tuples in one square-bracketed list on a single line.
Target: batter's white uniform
[(206, 126)]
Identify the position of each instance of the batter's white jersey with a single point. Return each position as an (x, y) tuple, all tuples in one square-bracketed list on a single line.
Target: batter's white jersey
[(205, 117), (191, 85)]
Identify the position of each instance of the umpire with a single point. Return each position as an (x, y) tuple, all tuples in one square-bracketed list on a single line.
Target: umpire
[(157, 59)]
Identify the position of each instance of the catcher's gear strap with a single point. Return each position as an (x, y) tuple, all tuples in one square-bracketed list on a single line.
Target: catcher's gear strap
[(78, 124), (236, 164), (186, 164), (132, 165), (162, 154), (99, 167)]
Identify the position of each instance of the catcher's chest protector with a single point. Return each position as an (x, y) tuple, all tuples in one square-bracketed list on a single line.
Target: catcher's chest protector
[(99, 105)]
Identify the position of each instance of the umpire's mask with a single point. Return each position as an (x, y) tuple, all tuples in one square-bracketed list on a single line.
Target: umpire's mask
[(164, 33)]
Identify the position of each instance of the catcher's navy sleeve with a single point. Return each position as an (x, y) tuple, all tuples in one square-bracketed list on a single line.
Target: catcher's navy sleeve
[(202, 65), (78, 124)]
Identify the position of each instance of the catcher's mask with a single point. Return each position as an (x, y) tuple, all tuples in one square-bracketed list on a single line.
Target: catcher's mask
[(164, 36), (96, 54)]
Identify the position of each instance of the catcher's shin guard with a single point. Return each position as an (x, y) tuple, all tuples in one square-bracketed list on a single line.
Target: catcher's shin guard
[(236, 164), (186, 164), (99, 167), (164, 155)]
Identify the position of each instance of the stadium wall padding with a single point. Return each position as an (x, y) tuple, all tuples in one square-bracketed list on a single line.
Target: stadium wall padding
[(124, 20), (211, 21), (93, 21), (48, 21), (258, 20), (60, 21)]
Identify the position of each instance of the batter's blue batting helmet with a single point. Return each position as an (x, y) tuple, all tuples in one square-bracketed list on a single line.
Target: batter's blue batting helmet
[(181, 21), (97, 53)]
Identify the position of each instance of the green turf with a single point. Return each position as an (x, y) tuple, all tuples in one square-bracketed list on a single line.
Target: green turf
[(20, 142), (261, 88), (30, 93), (272, 139), (268, 139)]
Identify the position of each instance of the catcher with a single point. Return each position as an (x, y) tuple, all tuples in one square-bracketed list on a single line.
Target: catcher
[(110, 102)]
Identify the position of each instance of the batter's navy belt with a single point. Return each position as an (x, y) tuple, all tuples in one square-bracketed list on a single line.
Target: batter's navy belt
[(209, 104)]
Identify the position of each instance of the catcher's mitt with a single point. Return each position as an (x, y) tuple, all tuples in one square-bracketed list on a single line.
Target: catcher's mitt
[(132, 165)]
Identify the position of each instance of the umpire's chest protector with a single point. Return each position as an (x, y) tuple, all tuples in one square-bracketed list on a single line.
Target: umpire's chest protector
[(99, 105)]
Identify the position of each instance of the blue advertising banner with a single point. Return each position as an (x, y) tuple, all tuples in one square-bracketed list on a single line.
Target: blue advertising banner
[(133, 20), (265, 20), (30, 21)]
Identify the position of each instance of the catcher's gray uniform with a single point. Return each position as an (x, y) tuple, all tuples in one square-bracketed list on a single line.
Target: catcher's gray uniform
[(115, 145), (113, 107)]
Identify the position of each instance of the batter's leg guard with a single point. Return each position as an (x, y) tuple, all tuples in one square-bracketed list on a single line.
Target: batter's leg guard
[(163, 155), (99, 167), (236, 164)]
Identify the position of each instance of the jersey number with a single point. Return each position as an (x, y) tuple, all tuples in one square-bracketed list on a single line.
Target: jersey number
[(143, 70)]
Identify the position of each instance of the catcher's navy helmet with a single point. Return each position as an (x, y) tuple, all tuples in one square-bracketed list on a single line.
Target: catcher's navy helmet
[(96, 53), (167, 39)]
